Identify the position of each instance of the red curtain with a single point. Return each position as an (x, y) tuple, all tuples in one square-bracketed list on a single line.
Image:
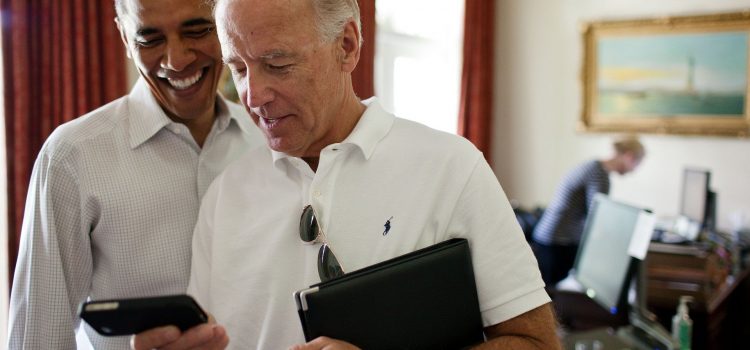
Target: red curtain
[(362, 76), (475, 111), (61, 59)]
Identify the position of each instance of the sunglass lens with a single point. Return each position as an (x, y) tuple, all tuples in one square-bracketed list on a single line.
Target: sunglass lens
[(308, 225), (328, 265)]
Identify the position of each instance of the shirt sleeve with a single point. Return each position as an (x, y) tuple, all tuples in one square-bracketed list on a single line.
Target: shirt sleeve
[(506, 272), (53, 271)]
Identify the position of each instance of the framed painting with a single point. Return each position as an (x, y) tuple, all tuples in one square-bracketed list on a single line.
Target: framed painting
[(677, 75)]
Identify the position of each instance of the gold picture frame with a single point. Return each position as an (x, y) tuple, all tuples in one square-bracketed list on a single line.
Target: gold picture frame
[(676, 75)]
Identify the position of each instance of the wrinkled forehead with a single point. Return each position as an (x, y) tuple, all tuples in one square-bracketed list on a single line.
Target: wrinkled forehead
[(262, 24), (264, 13)]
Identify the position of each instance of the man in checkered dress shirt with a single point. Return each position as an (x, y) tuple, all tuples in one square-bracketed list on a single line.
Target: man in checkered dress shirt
[(114, 194)]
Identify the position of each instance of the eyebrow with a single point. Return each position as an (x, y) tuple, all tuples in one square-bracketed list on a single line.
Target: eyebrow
[(196, 22), (146, 31), (267, 56), (276, 54), (230, 61), (189, 23)]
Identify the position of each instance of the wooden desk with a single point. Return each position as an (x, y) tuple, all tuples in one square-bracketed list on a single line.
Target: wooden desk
[(721, 311), (720, 304)]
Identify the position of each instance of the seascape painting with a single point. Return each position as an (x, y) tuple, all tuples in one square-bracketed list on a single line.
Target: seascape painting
[(674, 74), (667, 75)]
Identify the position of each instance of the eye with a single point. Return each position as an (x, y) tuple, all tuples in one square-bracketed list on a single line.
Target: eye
[(147, 43), (199, 32), (279, 68), (237, 71)]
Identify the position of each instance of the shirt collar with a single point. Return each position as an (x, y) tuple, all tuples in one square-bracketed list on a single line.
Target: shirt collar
[(225, 117), (147, 117), (240, 117), (372, 127)]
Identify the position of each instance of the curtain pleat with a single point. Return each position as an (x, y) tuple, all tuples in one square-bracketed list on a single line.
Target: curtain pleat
[(475, 108), (362, 76)]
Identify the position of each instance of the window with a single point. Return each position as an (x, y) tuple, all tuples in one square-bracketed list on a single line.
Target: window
[(418, 60)]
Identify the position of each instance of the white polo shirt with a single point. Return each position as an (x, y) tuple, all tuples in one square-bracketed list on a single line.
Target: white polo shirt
[(248, 258)]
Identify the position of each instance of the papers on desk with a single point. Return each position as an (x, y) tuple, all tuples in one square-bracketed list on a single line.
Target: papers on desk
[(641, 238), (677, 229), (570, 284)]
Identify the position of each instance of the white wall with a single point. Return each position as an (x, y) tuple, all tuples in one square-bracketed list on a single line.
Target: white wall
[(538, 105)]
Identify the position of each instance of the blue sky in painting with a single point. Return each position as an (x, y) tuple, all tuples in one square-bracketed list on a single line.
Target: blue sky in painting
[(661, 61)]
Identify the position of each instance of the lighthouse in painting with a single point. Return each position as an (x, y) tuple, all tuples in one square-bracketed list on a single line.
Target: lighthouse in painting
[(690, 88)]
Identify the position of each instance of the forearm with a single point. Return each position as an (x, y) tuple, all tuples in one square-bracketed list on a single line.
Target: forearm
[(535, 329)]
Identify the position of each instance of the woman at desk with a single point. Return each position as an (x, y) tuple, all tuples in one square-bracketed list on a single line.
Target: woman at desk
[(556, 236)]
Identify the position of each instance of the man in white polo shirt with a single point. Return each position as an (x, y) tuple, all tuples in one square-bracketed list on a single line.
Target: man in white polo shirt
[(379, 187)]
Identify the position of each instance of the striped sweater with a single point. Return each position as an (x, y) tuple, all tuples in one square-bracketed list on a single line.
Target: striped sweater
[(563, 220)]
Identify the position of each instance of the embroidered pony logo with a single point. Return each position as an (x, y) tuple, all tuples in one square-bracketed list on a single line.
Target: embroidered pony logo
[(387, 226)]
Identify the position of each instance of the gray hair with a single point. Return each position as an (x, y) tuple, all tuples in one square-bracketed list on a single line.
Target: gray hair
[(330, 16), (119, 8)]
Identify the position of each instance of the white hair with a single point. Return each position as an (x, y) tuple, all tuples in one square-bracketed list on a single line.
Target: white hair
[(330, 17), (119, 8)]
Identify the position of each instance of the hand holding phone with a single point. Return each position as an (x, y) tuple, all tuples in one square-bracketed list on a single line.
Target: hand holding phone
[(131, 316)]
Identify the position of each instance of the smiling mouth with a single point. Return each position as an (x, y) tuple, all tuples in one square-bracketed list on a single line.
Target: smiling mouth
[(186, 83), (272, 122)]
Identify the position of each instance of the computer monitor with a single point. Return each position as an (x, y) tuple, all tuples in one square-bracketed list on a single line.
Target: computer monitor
[(697, 202), (607, 273), (603, 265)]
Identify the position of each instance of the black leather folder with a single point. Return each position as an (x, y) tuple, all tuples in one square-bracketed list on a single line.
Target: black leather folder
[(426, 299)]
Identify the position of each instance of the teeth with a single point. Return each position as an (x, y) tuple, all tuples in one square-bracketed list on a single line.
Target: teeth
[(182, 84)]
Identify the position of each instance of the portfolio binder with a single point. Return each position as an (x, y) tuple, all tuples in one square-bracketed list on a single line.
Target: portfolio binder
[(426, 299)]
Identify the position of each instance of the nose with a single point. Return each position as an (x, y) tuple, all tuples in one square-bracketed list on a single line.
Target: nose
[(259, 90), (178, 56)]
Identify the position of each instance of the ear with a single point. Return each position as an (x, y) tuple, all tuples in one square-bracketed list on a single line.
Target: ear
[(350, 46), (123, 37)]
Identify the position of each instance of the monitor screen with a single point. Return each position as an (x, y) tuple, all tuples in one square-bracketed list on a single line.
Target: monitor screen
[(695, 194), (602, 264)]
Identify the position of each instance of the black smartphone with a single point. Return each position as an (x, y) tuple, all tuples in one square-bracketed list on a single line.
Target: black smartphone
[(131, 316)]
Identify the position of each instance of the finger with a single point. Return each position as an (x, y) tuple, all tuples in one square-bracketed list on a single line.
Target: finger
[(317, 343), (324, 343), (154, 338), (298, 347), (221, 338), (205, 336), (219, 341)]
